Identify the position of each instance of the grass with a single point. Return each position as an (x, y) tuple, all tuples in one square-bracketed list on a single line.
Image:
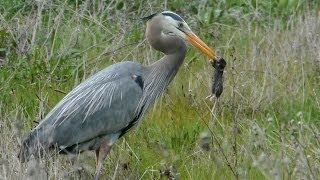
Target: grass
[(265, 126)]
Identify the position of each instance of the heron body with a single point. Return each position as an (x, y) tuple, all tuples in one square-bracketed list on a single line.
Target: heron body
[(107, 105)]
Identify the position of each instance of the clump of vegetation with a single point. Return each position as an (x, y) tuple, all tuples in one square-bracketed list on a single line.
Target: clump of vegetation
[(264, 126)]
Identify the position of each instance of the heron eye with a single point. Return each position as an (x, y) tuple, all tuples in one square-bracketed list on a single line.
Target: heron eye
[(180, 25)]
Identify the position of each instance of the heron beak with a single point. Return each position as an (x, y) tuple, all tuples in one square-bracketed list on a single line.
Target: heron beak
[(199, 44)]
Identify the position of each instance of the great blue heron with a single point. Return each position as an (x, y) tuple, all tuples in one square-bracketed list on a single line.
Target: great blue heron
[(95, 114)]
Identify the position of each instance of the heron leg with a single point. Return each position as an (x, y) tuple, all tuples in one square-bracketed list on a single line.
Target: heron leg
[(101, 155)]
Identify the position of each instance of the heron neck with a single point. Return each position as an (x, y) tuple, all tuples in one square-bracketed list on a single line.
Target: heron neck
[(168, 66), (157, 77)]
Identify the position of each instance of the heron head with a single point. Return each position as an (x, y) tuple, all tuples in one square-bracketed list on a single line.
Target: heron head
[(174, 25)]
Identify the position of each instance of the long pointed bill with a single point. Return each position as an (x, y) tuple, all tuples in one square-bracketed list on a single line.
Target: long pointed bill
[(199, 44)]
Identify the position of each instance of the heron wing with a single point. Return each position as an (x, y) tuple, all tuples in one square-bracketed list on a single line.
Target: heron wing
[(104, 104)]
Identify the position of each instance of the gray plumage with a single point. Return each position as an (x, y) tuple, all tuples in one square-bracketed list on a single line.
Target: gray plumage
[(107, 105)]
